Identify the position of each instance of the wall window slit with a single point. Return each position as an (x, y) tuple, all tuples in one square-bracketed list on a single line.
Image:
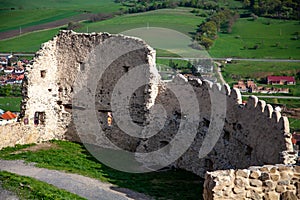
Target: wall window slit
[(39, 118)]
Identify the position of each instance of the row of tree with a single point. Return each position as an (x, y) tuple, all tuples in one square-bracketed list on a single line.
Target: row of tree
[(10, 90), (284, 9), (135, 6), (221, 21)]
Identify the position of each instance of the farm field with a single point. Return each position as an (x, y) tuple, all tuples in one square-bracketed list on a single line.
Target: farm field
[(30, 42), (16, 13), (262, 38), (179, 19), (10, 103)]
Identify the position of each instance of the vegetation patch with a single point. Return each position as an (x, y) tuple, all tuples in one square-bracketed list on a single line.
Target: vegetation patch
[(261, 38), (74, 158), (29, 188), (10, 103), (28, 43)]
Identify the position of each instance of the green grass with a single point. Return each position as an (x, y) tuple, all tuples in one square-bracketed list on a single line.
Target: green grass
[(29, 188), (10, 103), (294, 124), (33, 12), (30, 42), (73, 157), (23, 18), (179, 19), (274, 40)]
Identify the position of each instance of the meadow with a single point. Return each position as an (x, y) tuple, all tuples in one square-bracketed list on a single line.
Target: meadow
[(74, 158), (179, 19), (10, 103), (24, 13), (29, 43), (261, 38)]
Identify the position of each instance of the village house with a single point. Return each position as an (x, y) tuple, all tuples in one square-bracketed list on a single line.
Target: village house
[(8, 70), (3, 61), (8, 118), (251, 87), (281, 80)]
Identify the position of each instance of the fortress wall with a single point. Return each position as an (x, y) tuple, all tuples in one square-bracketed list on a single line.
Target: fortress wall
[(252, 134), (269, 182)]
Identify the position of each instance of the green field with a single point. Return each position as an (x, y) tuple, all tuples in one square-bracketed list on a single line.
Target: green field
[(179, 19), (74, 158), (10, 103), (272, 37), (30, 42), (32, 12)]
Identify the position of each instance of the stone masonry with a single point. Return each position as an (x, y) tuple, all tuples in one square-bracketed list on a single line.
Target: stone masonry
[(252, 134), (269, 182)]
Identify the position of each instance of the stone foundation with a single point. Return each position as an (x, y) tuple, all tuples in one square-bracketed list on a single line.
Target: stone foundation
[(269, 182)]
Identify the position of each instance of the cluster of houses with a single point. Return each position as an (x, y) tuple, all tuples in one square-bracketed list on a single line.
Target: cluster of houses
[(251, 87), (12, 73)]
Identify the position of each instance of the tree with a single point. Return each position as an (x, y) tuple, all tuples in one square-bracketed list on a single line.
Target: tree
[(206, 42), (209, 29)]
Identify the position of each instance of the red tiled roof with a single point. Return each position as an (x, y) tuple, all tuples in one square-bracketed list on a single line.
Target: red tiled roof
[(21, 77), (8, 115), (281, 78)]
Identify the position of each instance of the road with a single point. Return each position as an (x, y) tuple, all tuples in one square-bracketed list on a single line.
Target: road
[(275, 97), (235, 59)]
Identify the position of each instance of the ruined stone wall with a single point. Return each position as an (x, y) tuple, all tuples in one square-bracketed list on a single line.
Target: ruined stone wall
[(49, 86), (252, 134), (269, 182)]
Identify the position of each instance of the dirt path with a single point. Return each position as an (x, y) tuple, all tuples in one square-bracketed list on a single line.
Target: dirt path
[(50, 25), (88, 188)]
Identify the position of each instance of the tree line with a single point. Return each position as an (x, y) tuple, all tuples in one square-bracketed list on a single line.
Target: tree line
[(10, 90), (221, 21), (281, 9)]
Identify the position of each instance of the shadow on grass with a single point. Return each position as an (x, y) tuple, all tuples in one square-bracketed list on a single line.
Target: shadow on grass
[(74, 158)]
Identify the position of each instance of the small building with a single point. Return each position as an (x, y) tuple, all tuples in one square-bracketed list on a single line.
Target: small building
[(8, 70), (281, 80), (241, 86), (8, 118)]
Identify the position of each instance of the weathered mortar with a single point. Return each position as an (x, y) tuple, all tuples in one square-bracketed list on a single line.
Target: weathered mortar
[(252, 134)]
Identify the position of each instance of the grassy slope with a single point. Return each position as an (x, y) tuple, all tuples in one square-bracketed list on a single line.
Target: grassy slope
[(72, 157), (30, 42), (33, 12), (24, 18), (179, 19), (29, 188), (10, 103), (249, 33)]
